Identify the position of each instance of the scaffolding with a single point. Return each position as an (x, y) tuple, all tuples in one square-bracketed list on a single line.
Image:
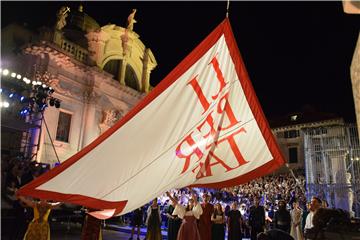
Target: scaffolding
[(332, 165)]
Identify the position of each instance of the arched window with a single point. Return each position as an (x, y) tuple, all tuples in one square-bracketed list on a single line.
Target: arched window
[(131, 79), (113, 67)]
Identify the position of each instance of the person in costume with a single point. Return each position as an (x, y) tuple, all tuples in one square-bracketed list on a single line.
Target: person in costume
[(189, 215), (38, 228)]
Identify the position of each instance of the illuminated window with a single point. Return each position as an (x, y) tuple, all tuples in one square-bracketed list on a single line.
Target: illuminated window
[(63, 129)]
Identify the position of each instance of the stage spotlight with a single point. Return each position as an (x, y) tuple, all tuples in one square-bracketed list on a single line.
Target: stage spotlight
[(33, 82), (18, 76), (11, 95), (5, 72), (6, 104), (13, 75), (0, 90), (22, 98)]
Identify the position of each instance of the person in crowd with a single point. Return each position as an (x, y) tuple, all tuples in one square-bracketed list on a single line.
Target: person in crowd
[(243, 209), (227, 210), (274, 234), (296, 216), (136, 222), (234, 222), (324, 204), (315, 205), (189, 214), (153, 222), (305, 212), (91, 229), (256, 219), (218, 223), (174, 221), (204, 222), (21, 213), (282, 218), (292, 198), (38, 228)]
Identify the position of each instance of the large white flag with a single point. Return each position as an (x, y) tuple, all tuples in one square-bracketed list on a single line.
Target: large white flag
[(201, 126)]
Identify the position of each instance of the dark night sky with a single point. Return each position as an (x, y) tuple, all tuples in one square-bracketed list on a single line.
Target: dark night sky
[(296, 53)]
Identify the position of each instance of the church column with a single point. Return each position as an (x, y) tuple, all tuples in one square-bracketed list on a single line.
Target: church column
[(146, 73), (89, 131), (122, 71)]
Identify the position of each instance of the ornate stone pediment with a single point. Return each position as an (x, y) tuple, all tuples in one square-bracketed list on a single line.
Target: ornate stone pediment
[(52, 81)]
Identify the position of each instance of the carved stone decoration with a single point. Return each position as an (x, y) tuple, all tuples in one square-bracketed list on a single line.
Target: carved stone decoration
[(124, 43), (110, 117), (131, 20), (61, 17), (355, 80), (97, 40), (52, 81), (90, 96), (113, 42)]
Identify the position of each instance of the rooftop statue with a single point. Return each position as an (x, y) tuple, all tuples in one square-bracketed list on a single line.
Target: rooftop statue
[(61, 17), (131, 20)]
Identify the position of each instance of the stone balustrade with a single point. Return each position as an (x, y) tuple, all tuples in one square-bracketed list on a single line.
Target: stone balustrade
[(78, 52)]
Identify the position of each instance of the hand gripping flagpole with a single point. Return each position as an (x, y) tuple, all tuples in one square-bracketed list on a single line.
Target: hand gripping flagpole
[(227, 8)]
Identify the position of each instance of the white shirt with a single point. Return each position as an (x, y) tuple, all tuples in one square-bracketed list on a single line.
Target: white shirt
[(309, 220), (180, 211)]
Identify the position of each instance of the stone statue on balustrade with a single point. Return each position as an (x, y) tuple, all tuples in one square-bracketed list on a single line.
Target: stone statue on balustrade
[(131, 20), (61, 17)]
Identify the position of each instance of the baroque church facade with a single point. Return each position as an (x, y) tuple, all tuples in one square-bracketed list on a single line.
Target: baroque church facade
[(98, 73)]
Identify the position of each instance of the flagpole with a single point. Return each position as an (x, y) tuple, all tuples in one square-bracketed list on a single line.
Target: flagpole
[(52, 144), (227, 8)]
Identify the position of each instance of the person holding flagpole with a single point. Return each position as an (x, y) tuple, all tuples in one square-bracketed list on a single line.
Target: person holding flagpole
[(189, 215), (39, 228)]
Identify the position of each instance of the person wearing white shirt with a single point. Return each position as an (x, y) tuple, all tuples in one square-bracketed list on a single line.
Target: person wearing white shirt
[(315, 204), (189, 215)]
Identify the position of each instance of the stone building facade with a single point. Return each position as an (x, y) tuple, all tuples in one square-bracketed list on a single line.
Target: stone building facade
[(98, 73), (290, 136)]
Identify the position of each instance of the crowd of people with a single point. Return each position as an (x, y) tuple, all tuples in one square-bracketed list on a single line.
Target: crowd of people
[(244, 211), (269, 206), (15, 173)]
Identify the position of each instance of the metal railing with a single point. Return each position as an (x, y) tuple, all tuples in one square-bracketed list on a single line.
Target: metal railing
[(332, 166)]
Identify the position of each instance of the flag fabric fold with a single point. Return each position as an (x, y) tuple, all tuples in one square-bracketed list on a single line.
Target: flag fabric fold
[(201, 126)]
